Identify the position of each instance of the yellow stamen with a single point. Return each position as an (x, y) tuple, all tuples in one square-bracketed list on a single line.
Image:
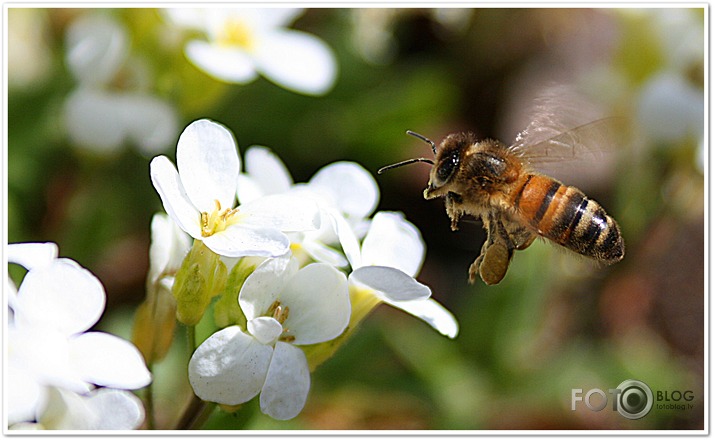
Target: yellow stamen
[(217, 220), (236, 32), (280, 313)]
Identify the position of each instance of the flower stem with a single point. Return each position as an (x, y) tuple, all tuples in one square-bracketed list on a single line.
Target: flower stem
[(191, 338), (149, 402), (196, 414)]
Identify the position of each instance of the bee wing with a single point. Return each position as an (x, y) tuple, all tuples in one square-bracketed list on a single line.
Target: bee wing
[(543, 145)]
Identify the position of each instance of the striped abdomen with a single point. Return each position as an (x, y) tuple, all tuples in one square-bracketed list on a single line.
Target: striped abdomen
[(566, 216)]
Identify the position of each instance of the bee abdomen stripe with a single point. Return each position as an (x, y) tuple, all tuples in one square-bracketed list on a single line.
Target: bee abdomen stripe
[(521, 191), (574, 207), (611, 246), (588, 235), (546, 201), (579, 212)]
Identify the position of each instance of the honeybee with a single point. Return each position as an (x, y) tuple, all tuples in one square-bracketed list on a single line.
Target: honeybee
[(495, 182)]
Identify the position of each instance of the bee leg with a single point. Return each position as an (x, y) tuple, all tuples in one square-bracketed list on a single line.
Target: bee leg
[(521, 237), (453, 203), (493, 262)]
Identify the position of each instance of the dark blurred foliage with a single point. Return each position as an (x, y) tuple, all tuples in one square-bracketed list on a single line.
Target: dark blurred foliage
[(555, 323)]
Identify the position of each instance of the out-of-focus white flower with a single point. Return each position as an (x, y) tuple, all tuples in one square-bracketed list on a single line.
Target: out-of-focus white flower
[(391, 255), (670, 108), (670, 102), (284, 306), (100, 409), (199, 197), (242, 43), (56, 303), (98, 114)]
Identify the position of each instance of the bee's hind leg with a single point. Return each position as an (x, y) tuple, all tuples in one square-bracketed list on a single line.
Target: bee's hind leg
[(497, 251)]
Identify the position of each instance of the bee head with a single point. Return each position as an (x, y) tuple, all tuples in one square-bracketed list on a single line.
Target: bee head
[(448, 159)]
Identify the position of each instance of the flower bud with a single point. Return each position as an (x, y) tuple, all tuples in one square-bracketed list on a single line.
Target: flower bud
[(154, 323), (201, 277)]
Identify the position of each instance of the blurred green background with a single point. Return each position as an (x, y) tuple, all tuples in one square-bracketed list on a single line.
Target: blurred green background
[(557, 322)]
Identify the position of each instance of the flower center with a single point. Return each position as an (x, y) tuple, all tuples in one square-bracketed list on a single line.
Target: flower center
[(217, 220), (280, 313), (236, 32)]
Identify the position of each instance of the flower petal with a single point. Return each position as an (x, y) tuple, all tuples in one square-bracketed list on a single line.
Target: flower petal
[(248, 240), (431, 312), (42, 354), (349, 186), (323, 253), (67, 410), (116, 409), (272, 17), (223, 63), (229, 367), (348, 239), (102, 409), (247, 189), (393, 241), (391, 283), (297, 61), (319, 304), (24, 395), (265, 329), (173, 196), (31, 255), (287, 383), (62, 296), (169, 245), (283, 212), (108, 360), (267, 170), (208, 164), (265, 284)]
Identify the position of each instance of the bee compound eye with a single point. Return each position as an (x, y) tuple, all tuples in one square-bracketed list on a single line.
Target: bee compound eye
[(447, 167)]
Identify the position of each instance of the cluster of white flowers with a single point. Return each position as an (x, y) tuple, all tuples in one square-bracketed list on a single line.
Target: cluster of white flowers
[(316, 263), (53, 363)]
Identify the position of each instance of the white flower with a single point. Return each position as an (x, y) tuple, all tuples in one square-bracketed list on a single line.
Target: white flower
[(345, 192), (56, 303), (391, 255), (97, 115), (200, 197), (285, 306), (244, 42), (101, 409)]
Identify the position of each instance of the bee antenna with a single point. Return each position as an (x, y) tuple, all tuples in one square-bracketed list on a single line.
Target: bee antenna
[(425, 139), (406, 162)]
